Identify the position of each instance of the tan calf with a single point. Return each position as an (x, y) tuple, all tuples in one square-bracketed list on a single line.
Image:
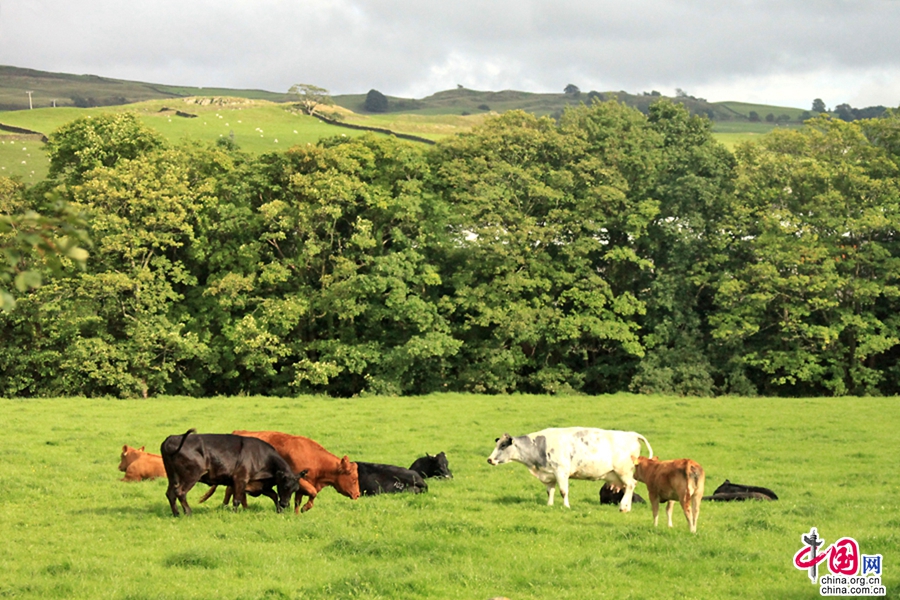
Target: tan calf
[(672, 480), (139, 465)]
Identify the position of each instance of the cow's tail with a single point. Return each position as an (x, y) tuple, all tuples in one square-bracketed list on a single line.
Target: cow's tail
[(696, 479), (646, 443), (184, 437)]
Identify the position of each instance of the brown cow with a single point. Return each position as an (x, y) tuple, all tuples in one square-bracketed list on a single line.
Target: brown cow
[(672, 480), (139, 465), (322, 467)]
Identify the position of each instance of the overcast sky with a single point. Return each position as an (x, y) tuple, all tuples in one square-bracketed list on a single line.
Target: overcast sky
[(779, 52)]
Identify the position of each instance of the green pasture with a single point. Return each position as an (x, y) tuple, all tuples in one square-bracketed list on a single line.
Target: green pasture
[(259, 126), (23, 157), (71, 529), (255, 126), (745, 108)]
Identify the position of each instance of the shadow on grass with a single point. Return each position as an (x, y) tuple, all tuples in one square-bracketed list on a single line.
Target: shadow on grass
[(507, 500), (162, 510)]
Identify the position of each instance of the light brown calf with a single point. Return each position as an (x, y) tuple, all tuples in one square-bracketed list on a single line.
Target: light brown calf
[(139, 465), (672, 480)]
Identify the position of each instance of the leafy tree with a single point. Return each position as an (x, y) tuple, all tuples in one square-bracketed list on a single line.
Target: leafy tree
[(810, 301), (32, 244), (310, 97), (753, 116), (844, 112), (694, 184), (352, 295), (543, 245), (98, 141), (818, 106), (376, 102), (572, 90)]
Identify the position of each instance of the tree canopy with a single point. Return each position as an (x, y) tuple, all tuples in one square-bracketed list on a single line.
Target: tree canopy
[(608, 250)]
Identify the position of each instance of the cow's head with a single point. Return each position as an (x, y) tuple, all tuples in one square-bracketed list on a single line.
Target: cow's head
[(347, 480), (442, 466), (129, 455), (640, 463), (504, 452), (288, 484), (433, 466)]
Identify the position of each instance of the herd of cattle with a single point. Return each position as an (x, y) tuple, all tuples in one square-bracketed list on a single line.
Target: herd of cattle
[(279, 465)]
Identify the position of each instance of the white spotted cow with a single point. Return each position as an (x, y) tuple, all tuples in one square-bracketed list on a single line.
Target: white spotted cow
[(556, 455)]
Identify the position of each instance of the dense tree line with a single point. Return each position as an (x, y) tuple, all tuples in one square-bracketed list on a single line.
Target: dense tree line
[(609, 250)]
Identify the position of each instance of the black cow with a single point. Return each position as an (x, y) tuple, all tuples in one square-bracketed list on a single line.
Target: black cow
[(376, 478), (613, 495), (249, 465), (432, 466), (737, 496), (736, 491)]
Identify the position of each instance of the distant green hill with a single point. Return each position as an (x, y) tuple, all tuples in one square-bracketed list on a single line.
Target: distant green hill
[(260, 121), (462, 101), (84, 91)]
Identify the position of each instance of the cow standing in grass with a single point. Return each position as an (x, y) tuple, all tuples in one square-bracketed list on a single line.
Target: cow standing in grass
[(322, 468), (246, 464), (556, 455), (680, 480)]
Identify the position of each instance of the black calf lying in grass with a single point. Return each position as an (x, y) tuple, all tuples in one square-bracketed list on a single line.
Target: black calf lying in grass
[(728, 492)]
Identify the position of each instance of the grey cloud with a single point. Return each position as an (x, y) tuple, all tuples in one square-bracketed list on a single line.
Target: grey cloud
[(415, 47)]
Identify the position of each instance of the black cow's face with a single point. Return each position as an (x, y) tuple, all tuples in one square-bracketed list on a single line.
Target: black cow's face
[(287, 487), (442, 466)]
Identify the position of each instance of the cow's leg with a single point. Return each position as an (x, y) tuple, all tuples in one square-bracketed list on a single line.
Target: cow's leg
[(268, 492), (695, 509), (306, 489), (240, 493), (563, 482), (654, 504), (670, 505), (686, 508), (628, 483), (180, 491), (551, 490), (171, 495), (229, 492)]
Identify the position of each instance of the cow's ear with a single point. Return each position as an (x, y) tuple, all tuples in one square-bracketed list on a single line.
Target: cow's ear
[(124, 448), (634, 460), (141, 449), (345, 464)]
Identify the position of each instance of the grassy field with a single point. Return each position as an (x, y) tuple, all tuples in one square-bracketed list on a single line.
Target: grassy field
[(23, 157), (71, 529), (257, 126)]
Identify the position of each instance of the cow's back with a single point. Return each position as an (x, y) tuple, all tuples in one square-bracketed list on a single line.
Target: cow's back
[(590, 453), (301, 453)]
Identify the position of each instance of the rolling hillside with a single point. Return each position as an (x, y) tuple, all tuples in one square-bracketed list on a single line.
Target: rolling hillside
[(85, 91), (61, 90), (261, 121)]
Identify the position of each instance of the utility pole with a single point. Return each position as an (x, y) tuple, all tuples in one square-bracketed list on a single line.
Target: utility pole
[(30, 107)]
